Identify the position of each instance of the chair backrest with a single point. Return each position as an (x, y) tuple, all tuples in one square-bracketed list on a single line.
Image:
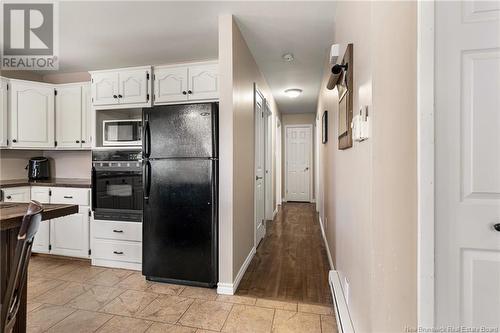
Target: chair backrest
[(19, 267)]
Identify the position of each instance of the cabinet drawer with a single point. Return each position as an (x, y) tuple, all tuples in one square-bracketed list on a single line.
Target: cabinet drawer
[(117, 250), (16, 194), (68, 195), (129, 231)]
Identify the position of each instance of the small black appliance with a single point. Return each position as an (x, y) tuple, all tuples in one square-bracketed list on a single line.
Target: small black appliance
[(38, 168)]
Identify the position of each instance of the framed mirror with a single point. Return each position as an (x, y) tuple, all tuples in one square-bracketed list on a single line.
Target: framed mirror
[(344, 88)]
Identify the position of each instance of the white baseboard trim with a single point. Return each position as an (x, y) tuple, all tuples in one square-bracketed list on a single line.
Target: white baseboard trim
[(344, 322), (230, 288), (330, 260), (117, 264), (225, 288)]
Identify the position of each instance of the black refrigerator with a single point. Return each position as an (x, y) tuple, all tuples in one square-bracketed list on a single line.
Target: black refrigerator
[(180, 222)]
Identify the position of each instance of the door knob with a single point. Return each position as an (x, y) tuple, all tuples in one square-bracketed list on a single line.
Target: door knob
[(497, 227)]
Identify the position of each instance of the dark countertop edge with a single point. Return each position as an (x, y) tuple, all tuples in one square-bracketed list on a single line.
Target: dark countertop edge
[(52, 213), (57, 182)]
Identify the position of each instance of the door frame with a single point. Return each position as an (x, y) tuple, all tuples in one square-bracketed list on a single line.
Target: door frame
[(256, 91), (310, 126), (279, 163), (425, 164), (268, 162)]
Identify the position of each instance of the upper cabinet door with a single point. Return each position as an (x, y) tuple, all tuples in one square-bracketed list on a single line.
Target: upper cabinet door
[(170, 84), (86, 117), (69, 116), (134, 86), (32, 115), (3, 112), (105, 88), (203, 82)]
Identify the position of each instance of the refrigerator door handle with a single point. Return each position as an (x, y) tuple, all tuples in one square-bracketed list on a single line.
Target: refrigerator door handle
[(147, 139), (147, 179)]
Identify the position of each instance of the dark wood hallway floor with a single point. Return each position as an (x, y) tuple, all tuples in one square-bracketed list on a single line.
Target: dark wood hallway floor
[(291, 261)]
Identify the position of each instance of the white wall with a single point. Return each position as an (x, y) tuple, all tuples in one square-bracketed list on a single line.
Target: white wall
[(370, 189), (238, 73)]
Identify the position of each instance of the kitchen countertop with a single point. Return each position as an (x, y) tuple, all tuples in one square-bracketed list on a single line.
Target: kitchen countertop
[(54, 182), (11, 214)]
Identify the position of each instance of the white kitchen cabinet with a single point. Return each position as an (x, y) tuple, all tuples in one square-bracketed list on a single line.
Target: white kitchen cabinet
[(170, 84), (3, 111), (105, 88), (86, 117), (72, 116), (186, 82), (16, 194), (117, 244), (134, 86), (121, 88), (41, 243), (203, 82), (31, 116), (69, 235)]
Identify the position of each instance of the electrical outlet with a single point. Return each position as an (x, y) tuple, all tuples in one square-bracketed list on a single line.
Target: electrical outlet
[(346, 290)]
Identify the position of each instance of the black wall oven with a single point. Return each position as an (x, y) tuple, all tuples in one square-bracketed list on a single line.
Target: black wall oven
[(117, 191)]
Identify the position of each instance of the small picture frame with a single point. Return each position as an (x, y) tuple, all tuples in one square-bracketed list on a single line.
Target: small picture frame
[(324, 122)]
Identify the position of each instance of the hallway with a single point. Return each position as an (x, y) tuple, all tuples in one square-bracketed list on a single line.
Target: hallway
[(291, 262)]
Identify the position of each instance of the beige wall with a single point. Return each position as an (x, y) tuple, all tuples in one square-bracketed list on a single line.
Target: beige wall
[(239, 72), (63, 164), (297, 119), (22, 75), (58, 78), (369, 191)]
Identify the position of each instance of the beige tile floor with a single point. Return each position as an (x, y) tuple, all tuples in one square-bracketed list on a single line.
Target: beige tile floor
[(72, 296)]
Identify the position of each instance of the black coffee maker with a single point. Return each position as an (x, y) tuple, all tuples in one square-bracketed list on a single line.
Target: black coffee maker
[(38, 168)]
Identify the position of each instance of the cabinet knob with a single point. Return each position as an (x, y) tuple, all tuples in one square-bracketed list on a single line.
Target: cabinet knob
[(114, 96), (77, 141), (9, 197), (184, 92), (14, 140), (120, 96), (83, 141), (190, 92), (496, 227)]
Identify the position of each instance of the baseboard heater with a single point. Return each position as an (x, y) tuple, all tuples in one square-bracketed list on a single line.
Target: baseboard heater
[(344, 323)]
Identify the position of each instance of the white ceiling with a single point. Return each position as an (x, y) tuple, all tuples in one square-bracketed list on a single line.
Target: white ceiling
[(102, 35)]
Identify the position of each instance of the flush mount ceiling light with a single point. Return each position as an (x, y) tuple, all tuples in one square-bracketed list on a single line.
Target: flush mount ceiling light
[(293, 93), (288, 57)]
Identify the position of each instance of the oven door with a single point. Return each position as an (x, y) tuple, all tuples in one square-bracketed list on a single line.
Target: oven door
[(117, 192)]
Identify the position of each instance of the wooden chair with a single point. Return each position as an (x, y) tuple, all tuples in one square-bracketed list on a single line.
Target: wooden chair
[(19, 267)]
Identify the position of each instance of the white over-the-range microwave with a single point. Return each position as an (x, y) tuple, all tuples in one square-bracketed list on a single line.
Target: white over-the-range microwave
[(126, 132)]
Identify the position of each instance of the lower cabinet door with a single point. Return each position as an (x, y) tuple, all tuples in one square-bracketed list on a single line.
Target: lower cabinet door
[(69, 235), (42, 238)]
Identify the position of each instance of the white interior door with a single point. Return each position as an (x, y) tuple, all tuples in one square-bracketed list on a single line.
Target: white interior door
[(467, 51), (298, 163), (260, 227)]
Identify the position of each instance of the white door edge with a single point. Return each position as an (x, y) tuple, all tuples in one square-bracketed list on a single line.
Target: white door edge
[(425, 164), (310, 126)]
